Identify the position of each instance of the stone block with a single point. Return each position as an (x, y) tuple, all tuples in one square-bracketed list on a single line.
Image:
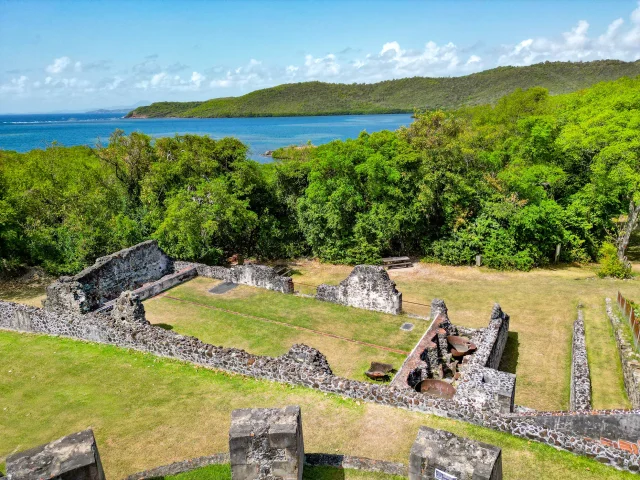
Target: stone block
[(266, 443), (74, 457), (437, 454)]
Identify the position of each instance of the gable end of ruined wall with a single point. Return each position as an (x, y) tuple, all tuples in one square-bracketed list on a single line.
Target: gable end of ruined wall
[(368, 287)]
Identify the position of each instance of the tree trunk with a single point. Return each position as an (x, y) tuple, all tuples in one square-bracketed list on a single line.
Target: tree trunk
[(630, 226)]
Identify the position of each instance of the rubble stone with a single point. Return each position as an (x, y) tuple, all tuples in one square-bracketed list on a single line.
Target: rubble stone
[(106, 279), (266, 444), (129, 308), (368, 287), (74, 457), (444, 456)]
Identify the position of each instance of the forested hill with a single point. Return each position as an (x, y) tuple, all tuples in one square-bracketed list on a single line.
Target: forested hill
[(397, 96)]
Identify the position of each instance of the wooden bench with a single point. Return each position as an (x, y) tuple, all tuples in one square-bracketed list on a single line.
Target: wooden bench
[(282, 270), (397, 262)]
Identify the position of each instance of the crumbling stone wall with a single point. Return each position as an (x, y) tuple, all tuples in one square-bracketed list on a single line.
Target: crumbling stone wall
[(438, 451), (580, 398), (430, 357), (612, 424), (368, 287), (494, 339), (106, 279), (303, 366), (260, 276), (628, 357), (129, 308), (74, 457)]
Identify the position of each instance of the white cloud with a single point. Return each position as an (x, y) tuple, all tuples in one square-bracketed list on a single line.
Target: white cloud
[(59, 65), (15, 85), (576, 44), (620, 40), (197, 79)]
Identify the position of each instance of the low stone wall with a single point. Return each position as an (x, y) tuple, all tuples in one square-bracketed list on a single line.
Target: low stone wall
[(611, 424), (368, 287), (629, 359), (481, 383), (580, 398), (302, 365), (260, 276), (106, 279), (494, 339)]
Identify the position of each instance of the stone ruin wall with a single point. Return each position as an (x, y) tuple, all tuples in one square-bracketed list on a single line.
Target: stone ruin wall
[(303, 366), (260, 276), (105, 280), (628, 357), (580, 397), (616, 425), (368, 287)]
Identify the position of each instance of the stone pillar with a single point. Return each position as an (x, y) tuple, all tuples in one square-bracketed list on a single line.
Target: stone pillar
[(437, 454), (74, 457), (266, 444), (129, 308)]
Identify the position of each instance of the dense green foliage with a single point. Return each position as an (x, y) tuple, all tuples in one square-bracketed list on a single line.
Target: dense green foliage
[(610, 264), (398, 96), (509, 182)]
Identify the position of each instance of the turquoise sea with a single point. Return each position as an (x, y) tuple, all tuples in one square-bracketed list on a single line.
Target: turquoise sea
[(26, 132)]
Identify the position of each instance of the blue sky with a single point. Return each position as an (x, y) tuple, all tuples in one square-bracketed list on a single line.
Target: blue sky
[(73, 54)]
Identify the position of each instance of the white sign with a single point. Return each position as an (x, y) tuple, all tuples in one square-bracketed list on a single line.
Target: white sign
[(440, 475)]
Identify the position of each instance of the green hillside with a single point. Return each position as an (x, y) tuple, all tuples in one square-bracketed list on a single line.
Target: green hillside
[(397, 96)]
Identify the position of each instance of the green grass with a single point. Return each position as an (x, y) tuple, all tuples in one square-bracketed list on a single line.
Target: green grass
[(542, 305), (223, 472), (395, 96), (148, 411), (347, 359)]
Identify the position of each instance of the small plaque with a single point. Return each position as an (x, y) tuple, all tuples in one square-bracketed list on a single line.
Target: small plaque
[(440, 475)]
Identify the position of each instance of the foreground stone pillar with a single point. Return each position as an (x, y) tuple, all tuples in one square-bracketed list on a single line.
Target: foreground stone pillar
[(74, 457), (440, 455), (266, 443)]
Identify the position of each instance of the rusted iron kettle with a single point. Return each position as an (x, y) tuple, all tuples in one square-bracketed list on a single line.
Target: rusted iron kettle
[(437, 388)]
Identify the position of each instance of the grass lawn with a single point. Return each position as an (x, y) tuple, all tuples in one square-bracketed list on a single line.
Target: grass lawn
[(542, 305), (223, 472), (316, 319), (148, 411)]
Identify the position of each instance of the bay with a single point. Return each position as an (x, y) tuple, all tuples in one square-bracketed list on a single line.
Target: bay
[(26, 132)]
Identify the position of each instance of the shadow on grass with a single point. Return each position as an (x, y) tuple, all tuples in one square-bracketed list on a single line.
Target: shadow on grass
[(164, 326), (509, 361), (223, 472)]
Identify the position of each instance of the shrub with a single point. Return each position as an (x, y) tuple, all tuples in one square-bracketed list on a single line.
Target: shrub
[(610, 265)]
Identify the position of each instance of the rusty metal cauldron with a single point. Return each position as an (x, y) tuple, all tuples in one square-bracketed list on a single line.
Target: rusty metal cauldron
[(437, 388)]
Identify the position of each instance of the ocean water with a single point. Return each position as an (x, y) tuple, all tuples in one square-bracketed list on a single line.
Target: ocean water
[(26, 132)]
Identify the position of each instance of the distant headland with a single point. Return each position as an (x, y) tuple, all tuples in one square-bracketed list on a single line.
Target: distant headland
[(396, 96)]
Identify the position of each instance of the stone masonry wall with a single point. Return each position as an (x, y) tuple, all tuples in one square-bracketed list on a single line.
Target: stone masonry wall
[(481, 383), (629, 358), (580, 398), (260, 276), (302, 365), (368, 287), (494, 339), (106, 279), (612, 424)]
